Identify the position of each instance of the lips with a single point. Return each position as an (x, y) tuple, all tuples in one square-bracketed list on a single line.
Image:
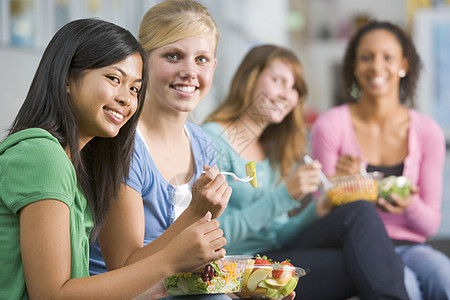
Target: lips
[(115, 116), (379, 80)]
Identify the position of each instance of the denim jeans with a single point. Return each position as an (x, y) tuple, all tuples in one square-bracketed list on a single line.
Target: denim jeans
[(427, 272), (346, 253)]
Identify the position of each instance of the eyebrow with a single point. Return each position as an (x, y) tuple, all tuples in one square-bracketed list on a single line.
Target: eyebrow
[(124, 74), (180, 50), (173, 48)]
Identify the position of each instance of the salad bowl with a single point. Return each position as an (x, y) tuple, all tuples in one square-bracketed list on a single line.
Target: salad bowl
[(353, 187), (222, 276), (265, 279)]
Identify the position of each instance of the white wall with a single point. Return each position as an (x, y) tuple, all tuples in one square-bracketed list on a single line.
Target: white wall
[(17, 71)]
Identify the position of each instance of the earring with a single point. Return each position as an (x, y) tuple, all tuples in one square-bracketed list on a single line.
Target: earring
[(401, 73), (355, 91)]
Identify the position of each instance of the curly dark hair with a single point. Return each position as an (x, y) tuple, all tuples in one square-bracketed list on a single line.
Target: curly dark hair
[(408, 83)]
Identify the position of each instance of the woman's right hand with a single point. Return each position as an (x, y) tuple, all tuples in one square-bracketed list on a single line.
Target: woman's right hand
[(304, 180), (197, 245), (348, 165), (210, 192)]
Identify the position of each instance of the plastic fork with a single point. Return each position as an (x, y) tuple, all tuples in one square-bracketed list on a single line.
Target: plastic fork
[(235, 177), (327, 184), (363, 170)]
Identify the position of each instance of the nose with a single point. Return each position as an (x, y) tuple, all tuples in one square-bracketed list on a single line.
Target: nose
[(377, 61), (188, 74), (286, 92), (123, 96), (290, 94), (188, 71)]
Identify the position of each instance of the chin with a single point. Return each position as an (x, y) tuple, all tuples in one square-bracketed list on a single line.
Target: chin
[(110, 133), (278, 120), (275, 122), (187, 108)]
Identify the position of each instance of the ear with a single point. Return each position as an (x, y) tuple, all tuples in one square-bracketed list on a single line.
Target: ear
[(72, 85), (68, 86), (215, 63)]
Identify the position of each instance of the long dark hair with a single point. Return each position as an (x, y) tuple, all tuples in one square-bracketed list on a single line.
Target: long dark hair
[(104, 162), (408, 84)]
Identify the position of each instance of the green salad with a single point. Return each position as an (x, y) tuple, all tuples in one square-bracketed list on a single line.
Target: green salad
[(399, 185), (212, 279)]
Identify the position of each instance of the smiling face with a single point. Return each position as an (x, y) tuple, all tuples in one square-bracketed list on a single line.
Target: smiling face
[(275, 93), (379, 58), (105, 99), (181, 73)]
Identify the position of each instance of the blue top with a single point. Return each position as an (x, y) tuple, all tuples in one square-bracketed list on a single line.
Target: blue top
[(256, 220), (158, 194)]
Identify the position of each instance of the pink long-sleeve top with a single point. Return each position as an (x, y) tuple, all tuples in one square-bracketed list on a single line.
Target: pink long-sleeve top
[(333, 135)]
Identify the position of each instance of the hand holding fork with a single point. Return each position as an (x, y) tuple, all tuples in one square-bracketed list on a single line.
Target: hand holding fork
[(235, 177)]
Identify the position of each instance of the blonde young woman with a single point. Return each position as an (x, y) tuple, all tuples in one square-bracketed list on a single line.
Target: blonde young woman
[(382, 132), (170, 153), (346, 249)]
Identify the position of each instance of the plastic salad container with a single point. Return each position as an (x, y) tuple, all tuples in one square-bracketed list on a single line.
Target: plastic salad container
[(274, 281), (222, 276), (399, 185), (355, 187)]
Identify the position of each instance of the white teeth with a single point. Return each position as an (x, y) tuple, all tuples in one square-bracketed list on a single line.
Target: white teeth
[(116, 114), (187, 89), (378, 80)]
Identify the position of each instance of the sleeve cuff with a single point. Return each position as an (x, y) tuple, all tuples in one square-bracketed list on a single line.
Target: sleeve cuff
[(286, 197)]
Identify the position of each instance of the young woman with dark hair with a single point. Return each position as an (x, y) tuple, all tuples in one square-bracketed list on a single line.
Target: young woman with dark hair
[(407, 86), (381, 131), (48, 106)]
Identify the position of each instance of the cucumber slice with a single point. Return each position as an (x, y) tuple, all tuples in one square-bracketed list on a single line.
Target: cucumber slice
[(250, 170), (289, 287)]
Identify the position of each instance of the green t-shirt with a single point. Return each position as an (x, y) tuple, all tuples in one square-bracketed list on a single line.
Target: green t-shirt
[(33, 167)]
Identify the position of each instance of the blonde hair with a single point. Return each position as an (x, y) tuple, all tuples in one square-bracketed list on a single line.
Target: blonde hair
[(173, 20), (283, 143)]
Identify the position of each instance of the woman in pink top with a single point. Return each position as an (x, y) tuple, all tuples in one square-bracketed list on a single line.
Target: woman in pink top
[(381, 131)]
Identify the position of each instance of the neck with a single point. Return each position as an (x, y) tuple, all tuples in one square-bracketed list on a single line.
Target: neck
[(243, 134), (379, 109), (162, 125), (250, 126), (82, 141)]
